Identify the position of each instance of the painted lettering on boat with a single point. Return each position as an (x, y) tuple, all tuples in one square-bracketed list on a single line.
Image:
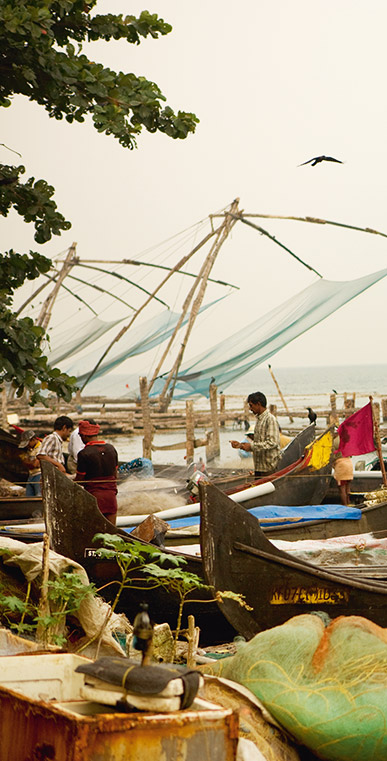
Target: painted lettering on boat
[(308, 596)]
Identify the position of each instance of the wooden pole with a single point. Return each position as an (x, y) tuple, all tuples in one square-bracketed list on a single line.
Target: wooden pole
[(46, 311), (214, 420), (146, 420), (44, 606), (222, 234), (4, 420), (190, 431), (378, 441), (123, 330), (280, 393), (222, 408), (193, 641)]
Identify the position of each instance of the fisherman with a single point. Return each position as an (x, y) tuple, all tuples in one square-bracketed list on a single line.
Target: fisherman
[(51, 449), (97, 469), (75, 446), (266, 443), (30, 444), (343, 475)]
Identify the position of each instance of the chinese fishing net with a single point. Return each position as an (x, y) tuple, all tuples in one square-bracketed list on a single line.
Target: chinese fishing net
[(326, 685)]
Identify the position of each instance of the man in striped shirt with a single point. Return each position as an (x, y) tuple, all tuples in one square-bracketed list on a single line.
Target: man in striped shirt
[(51, 449), (266, 443)]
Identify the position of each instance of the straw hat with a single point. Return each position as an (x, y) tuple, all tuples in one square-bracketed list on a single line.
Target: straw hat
[(25, 438)]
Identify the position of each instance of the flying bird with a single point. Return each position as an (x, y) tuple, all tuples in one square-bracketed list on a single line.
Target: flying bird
[(318, 159)]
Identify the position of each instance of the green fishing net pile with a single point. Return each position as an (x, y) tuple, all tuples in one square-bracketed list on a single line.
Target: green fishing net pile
[(326, 685)]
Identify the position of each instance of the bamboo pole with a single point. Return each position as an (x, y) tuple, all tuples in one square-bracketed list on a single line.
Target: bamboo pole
[(187, 301), (49, 280), (223, 232), (136, 262), (46, 311), (378, 442), (44, 606), (278, 243), (312, 220), (123, 330), (215, 445), (146, 420), (190, 431), (193, 642), (280, 393)]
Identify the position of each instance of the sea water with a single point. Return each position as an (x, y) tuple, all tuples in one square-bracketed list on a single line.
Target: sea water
[(300, 386)]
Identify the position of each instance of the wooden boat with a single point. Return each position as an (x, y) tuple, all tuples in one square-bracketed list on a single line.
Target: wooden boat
[(72, 520), (373, 519), (15, 508), (45, 713), (364, 481), (12, 467), (237, 556)]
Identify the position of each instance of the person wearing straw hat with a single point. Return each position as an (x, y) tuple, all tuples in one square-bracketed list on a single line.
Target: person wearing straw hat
[(97, 469), (266, 442), (30, 445)]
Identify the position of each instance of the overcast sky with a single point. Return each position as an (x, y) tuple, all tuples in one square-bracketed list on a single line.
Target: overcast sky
[(273, 83)]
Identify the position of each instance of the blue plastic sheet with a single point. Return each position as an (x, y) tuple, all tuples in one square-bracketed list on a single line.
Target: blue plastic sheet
[(305, 513)]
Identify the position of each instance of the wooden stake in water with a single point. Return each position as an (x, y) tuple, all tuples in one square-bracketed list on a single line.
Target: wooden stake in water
[(280, 393), (378, 442)]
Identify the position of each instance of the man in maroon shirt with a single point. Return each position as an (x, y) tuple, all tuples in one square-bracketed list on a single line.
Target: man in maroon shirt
[(97, 469)]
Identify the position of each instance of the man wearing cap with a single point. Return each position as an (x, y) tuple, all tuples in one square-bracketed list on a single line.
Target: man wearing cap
[(74, 447), (51, 449), (97, 469), (30, 446), (266, 443)]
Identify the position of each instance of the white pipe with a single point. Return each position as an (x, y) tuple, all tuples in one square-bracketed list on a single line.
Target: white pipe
[(126, 521), (194, 509)]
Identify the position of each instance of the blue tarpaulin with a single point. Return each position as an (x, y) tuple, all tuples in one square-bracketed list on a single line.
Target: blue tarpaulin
[(304, 513)]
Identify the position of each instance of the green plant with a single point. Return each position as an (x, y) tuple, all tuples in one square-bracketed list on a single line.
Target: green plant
[(135, 557), (65, 594)]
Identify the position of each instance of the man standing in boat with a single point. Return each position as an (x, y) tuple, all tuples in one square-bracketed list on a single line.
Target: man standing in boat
[(266, 443), (51, 449), (97, 469)]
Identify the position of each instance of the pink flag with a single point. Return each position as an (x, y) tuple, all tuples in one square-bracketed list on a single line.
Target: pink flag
[(357, 433)]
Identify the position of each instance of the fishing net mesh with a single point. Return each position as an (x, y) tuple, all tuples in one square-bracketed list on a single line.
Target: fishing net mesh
[(326, 685)]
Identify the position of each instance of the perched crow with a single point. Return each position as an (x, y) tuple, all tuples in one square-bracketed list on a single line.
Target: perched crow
[(312, 415), (318, 159)]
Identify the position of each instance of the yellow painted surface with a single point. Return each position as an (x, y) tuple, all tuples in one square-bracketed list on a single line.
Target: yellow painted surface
[(310, 596)]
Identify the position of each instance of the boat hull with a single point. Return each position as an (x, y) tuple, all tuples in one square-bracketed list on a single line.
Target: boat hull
[(72, 520), (237, 556)]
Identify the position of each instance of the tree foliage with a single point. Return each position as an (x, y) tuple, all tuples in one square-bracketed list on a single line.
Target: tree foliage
[(22, 363), (38, 59), (41, 57)]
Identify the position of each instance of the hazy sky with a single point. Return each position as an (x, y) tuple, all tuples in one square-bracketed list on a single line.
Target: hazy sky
[(273, 83)]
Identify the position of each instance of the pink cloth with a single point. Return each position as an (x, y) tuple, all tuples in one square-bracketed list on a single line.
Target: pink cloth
[(357, 433)]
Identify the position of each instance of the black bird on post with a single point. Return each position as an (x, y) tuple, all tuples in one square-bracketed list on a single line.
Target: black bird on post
[(311, 415), (318, 159)]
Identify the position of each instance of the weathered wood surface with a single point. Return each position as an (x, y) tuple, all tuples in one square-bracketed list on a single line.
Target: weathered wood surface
[(72, 520), (237, 556)]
